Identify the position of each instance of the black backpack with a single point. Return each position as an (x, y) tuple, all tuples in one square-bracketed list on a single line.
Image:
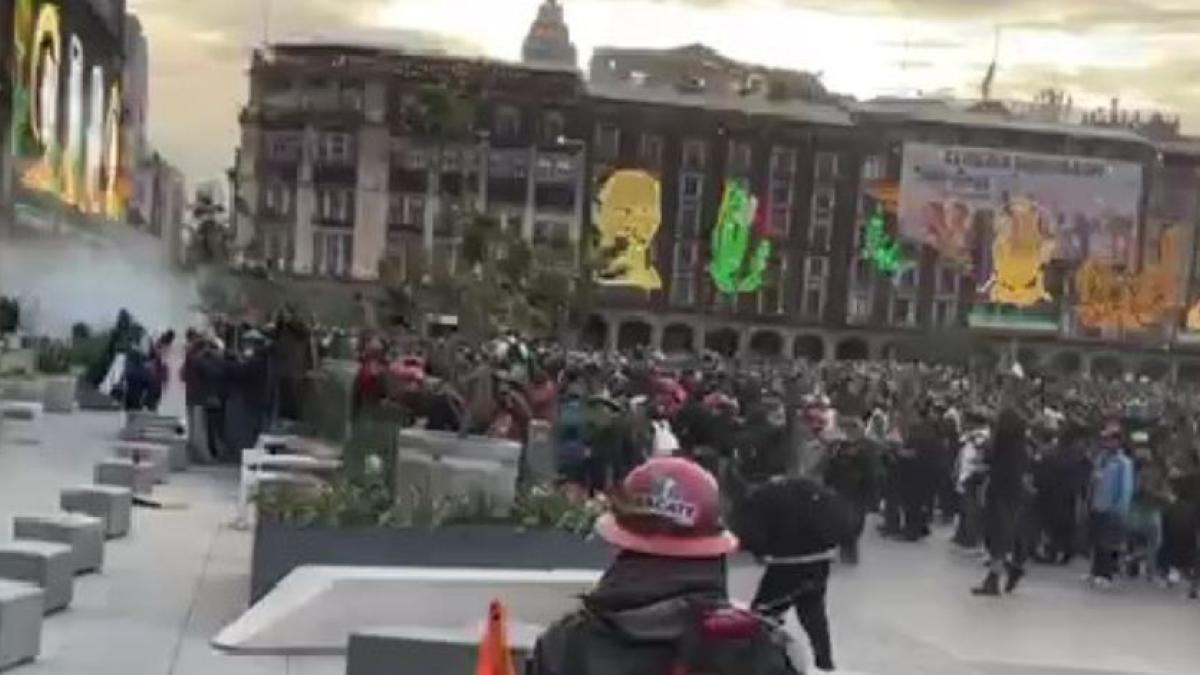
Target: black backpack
[(726, 640)]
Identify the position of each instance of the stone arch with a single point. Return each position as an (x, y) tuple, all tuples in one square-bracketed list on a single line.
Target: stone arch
[(766, 344), (1067, 363), (679, 338), (853, 349), (594, 333), (809, 347), (1155, 369), (723, 341), (634, 333), (1108, 366)]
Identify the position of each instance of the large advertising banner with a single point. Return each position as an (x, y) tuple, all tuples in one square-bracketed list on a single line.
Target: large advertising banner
[(1007, 216), (66, 107)]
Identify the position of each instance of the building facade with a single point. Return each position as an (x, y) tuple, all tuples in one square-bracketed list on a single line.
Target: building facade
[(338, 174), (339, 168), (549, 38), (136, 90)]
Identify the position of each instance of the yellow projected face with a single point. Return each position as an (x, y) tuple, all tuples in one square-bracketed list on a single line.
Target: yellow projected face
[(628, 219), (1021, 250)]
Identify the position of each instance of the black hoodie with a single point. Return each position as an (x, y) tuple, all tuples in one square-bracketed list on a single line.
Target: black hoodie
[(642, 613)]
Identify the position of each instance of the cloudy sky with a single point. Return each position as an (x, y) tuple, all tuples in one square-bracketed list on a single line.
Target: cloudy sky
[(1140, 50)]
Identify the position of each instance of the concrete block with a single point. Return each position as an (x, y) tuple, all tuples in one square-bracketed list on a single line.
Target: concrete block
[(541, 459), (84, 534), (157, 456), (19, 411), (125, 473), (49, 566), (113, 505), (59, 395), (406, 649), (177, 452), (443, 477), (22, 606)]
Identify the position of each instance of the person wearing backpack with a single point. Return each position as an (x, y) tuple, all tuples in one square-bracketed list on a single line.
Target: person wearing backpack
[(662, 607), (795, 526)]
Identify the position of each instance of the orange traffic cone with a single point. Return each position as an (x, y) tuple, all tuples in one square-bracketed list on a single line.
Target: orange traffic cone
[(494, 656)]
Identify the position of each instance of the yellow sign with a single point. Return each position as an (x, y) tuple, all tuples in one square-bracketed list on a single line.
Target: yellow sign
[(628, 218)]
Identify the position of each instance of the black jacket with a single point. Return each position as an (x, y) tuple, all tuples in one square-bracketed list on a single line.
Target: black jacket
[(645, 616), (790, 518)]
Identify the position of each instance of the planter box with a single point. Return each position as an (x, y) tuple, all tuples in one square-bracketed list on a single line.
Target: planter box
[(279, 548), (59, 395)]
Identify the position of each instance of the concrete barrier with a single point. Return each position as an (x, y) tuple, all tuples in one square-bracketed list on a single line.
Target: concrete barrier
[(443, 465), (158, 457), (316, 609), (21, 609), (58, 397), (113, 505), (406, 650), (49, 566), (19, 411), (84, 534), (139, 478)]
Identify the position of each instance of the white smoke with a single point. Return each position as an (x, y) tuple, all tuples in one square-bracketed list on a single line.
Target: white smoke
[(89, 277)]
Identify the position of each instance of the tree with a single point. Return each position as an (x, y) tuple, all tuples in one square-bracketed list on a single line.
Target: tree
[(210, 243)]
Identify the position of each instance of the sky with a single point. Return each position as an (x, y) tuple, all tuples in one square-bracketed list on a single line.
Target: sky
[(1142, 51)]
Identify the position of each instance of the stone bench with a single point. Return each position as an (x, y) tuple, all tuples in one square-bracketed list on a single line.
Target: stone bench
[(47, 565), (19, 411), (84, 534), (153, 454), (127, 474), (112, 505), (21, 609), (177, 452)]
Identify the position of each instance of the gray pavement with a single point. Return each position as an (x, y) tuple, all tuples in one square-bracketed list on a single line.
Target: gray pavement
[(183, 574)]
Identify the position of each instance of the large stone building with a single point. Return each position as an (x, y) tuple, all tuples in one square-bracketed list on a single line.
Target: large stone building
[(337, 174), (339, 169)]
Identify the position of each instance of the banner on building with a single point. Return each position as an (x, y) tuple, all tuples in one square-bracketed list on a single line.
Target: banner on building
[(952, 197)]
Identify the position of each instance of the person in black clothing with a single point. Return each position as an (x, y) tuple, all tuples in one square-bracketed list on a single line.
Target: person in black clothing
[(794, 525), (1004, 496), (1060, 479), (852, 472), (663, 604)]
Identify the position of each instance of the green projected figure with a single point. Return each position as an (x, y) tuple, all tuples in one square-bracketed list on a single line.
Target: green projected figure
[(733, 268), (882, 250)]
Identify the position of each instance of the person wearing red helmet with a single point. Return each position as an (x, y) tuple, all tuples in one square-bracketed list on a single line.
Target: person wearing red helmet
[(663, 605)]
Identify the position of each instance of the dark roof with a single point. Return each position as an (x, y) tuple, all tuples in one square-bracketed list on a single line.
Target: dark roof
[(751, 104)]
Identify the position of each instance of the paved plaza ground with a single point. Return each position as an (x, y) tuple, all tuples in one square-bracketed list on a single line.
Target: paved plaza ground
[(183, 574)]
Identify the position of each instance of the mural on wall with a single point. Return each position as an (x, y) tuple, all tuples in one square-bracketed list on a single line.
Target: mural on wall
[(66, 112), (738, 261), (1021, 248), (884, 252), (628, 216)]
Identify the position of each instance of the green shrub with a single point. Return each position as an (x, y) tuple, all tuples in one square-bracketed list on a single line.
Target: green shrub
[(87, 350), (10, 314), (54, 358)]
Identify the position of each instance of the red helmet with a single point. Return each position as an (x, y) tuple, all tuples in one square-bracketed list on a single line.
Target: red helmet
[(668, 507)]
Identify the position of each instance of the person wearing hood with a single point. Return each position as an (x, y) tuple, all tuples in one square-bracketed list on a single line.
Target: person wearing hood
[(1004, 498), (663, 604)]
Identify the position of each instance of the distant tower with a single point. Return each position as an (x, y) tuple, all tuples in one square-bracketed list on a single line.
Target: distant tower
[(549, 39)]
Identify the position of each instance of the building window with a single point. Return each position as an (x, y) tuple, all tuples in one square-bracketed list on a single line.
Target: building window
[(827, 167), (907, 279), (335, 147), (446, 256), (695, 155), (740, 159), (554, 127), (508, 122), (283, 147), (650, 151), (406, 209), (821, 229), (945, 313), (874, 167), (333, 252), (904, 311), (772, 297), (335, 205), (816, 273), (692, 185), (410, 158), (859, 310), (691, 193), (683, 274), (550, 233), (608, 142), (862, 273), (783, 167), (278, 199), (949, 281)]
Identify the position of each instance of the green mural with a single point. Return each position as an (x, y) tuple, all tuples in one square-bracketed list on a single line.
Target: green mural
[(738, 262), (883, 251)]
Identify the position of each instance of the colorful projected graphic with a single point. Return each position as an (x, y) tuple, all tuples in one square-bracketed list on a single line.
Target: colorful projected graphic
[(883, 251), (1110, 297), (735, 268), (1020, 251), (66, 110), (949, 194), (628, 216)]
